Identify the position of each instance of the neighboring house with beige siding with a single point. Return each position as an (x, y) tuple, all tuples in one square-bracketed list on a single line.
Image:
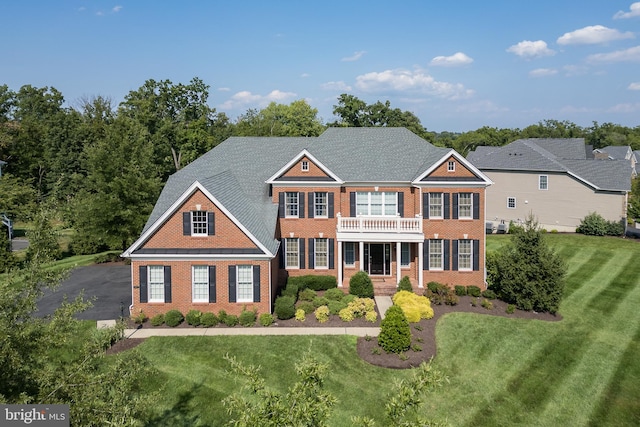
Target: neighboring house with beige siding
[(557, 180)]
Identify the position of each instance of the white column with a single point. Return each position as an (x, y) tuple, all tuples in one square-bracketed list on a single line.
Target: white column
[(420, 264), (361, 250), (340, 265), (398, 261)]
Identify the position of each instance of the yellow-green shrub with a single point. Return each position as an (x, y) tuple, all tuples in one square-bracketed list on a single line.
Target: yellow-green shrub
[(371, 316), (300, 315), (346, 314), (322, 313), (414, 307)]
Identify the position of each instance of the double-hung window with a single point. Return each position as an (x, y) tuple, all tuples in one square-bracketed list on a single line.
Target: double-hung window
[(199, 223), (320, 205), (436, 254), (156, 283), (451, 166), (465, 254), (291, 204), (465, 205), (405, 254), (435, 205), (292, 257), (511, 202), (377, 203), (321, 253), (543, 182), (349, 254), (244, 283), (200, 283)]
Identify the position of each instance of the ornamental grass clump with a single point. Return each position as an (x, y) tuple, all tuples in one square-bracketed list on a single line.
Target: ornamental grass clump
[(395, 334), (414, 307)]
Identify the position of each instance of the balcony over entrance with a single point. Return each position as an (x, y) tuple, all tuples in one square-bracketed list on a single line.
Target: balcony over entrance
[(371, 224)]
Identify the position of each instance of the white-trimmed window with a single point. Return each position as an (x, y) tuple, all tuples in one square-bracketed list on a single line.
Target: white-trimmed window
[(377, 203), (291, 204), (350, 254), (244, 283), (465, 205), (543, 182), (511, 202), (321, 253), (200, 283), (435, 205), (304, 166), (155, 285), (405, 254), (436, 254), (465, 254), (451, 166), (198, 223), (320, 205), (292, 257)]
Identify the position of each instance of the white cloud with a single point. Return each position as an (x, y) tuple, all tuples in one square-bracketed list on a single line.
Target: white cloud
[(593, 34), (224, 89), (626, 55), (543, 72), (245, 98), (342, 86), (305, 75), (624, 108), (354, 57), (410, 81), (634, 11), (634, 86), (456, 60), (116, 9), (528, 49)]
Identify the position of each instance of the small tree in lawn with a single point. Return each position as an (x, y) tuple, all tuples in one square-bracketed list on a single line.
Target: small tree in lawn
[(395, 334), (527, 272)]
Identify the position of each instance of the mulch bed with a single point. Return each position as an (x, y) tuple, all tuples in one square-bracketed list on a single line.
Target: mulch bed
[(423, 333)]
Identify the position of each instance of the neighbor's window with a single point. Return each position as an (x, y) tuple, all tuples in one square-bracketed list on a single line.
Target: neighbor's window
[(200, 283), (451, 166), (199, 223), (291, 204), (321, 253), (435, 254), (465, 205), (464, 254), (292, 253), (350, 254), (405, 254), (155, 283), (244, 283), (305, 166), (320, 205), (511, 202), (377, 203), (543, 182), (435, 205)]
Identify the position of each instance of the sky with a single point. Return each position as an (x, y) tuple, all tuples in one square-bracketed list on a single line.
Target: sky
[(457, 65)]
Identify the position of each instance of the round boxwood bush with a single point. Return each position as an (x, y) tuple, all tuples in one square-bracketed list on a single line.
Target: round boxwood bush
[(173, 318), (208, 320), (157, 320), (334, 294), (395, 334), (307, 295), (360, 285), (247, 318), (336, 306), (231, 320), (194, 317), (284, 307), (460, 290), (320, 301), (306, 306), (405, 284)]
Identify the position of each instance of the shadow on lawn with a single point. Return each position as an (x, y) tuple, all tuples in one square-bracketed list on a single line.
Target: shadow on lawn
[(179, 415)]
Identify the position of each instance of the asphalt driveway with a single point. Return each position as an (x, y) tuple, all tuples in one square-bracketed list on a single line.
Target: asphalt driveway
[(109, 284)]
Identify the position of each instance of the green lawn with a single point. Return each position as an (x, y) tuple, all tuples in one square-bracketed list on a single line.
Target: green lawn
[(581, 371)]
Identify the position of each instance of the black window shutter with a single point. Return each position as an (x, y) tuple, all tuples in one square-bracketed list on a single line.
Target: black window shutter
[(167, 283), (281, 204), (352, 204), (476, 205), (212, 283), (186, 223), (454, 256), (311, 200), (455, 206), (312, 263), (447, 254), (425, 253), (211, 225), (283, 252), (445, 206), (476, 255), (301, 205), (401, 203), (330, 204), (143, 283), (425, 205), (331, 254), (256, 283), (232, 283), (301, 256)]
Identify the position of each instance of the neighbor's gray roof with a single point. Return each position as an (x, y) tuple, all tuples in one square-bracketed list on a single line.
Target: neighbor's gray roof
[(235, 171), (617, 152), (554, 155)]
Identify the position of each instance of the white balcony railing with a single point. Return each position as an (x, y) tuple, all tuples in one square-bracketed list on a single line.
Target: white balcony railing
[(372, 224)]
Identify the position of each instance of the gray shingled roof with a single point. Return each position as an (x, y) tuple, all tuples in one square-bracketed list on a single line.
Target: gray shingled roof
[(616, 152), (554, 155), (236, 171)]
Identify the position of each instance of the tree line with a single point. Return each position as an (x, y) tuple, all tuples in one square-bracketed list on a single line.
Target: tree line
[(100, 167)]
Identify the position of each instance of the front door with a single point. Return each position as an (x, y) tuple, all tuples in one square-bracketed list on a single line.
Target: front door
[(377, 258)]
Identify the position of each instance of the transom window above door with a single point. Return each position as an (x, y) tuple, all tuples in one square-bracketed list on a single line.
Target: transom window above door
[(377, 203)]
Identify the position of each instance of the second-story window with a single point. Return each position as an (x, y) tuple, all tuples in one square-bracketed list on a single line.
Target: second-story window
[(465, 205), (198, 223), (291, 204), (543, 182), (435, 205), (320, 205), (377, 203)]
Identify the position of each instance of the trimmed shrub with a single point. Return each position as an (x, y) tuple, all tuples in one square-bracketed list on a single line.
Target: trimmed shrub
[(322, 314), (346, 314), (474, 291), (265, 319), (348, 298), (300, 315), (320, 301), (307, 306), (173, 318), (194, 317), (395, 334), (291, 290), (511, 308), (433, 286), (405, 284), (157, 320), (307, 295), (208, 320), (489, 294), (451, 299), (284, 307), (460, 290), (315, 282), (336, 306), (334, 294), (247, 318), (360, 285), (231, 320), (439, 293), (222, 316), (593, 225), (414, 307), (371, 316)]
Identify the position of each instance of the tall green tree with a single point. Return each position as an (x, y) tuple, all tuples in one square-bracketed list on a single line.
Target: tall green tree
[(295, 119)]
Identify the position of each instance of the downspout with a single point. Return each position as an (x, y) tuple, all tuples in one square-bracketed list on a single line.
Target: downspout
[(131, 306)]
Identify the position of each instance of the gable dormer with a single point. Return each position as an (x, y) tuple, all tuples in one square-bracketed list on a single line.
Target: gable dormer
[(304, 168), (453, 168)]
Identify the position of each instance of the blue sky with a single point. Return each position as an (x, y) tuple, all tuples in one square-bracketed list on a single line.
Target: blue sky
[(457, 65)]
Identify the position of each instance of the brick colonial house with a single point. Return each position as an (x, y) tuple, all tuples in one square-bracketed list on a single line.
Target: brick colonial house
[(229, 228)]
